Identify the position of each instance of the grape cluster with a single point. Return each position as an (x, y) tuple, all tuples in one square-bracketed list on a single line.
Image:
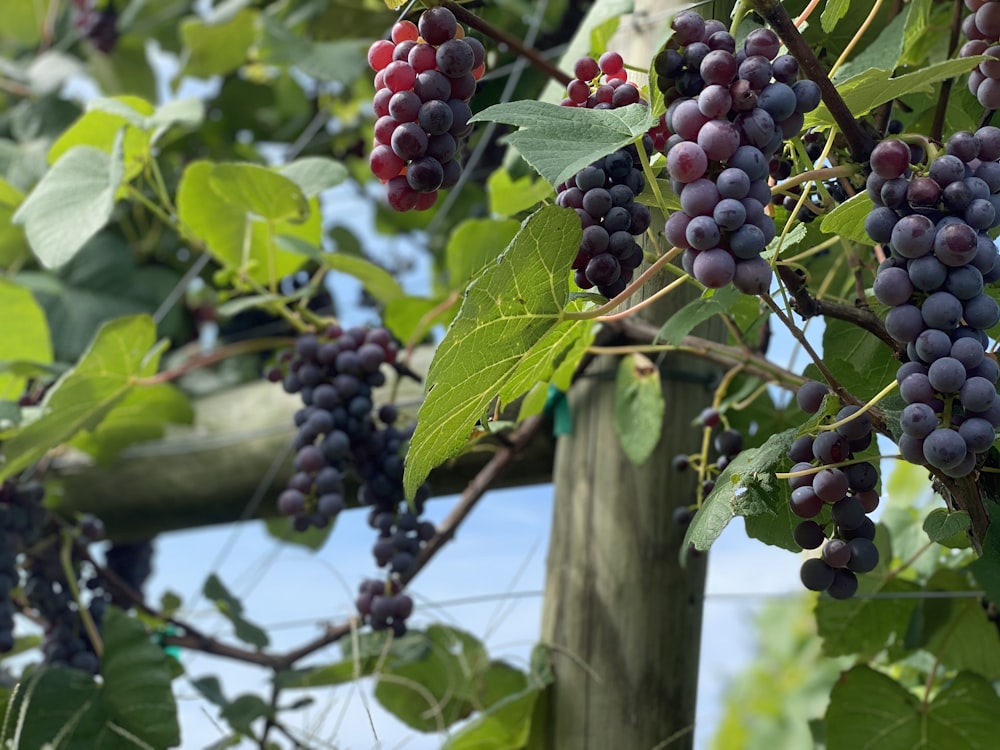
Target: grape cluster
[(982, 30), (425, 77), (21, 517), (940, 257), (725, 446), (384, 605), (132, 562), (846, 492), (603, 193), (99, 25), (729, 113), (339, 430)]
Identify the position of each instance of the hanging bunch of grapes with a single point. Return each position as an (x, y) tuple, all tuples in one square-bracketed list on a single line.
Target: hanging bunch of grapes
[(425, 77)]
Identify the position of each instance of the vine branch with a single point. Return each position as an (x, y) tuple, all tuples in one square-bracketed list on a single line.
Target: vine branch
[(773, 11), (498, 35)]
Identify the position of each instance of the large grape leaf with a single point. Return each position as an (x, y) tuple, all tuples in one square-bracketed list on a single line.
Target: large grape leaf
[(863, 364), (122, 350), (28, 341), (560, 141), (865, 91), (748, 488), (870, 711), (510, 333)]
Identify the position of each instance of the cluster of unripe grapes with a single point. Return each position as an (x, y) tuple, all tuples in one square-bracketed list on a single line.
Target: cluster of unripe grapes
[(982, 30), (725, 446), (340, 431), (940, 256), (425, 77), (729, 114), (834, 502)]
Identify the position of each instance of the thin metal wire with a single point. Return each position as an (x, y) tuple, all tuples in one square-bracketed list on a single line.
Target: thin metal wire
[(181, 287)]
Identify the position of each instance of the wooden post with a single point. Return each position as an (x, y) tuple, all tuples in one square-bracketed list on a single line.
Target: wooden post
[(622, 618)]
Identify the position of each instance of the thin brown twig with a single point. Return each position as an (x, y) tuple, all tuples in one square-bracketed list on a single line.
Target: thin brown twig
[(498, 35), (773, 11)]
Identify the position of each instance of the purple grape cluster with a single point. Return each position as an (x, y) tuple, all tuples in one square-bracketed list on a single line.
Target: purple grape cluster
[(940, 257), (132, 562), (384, 605), (725, 446), (339, 430), (729, 113), (848, 492), (21, 517), (603, 193), (982, 30), (425, 76), (99, 25)]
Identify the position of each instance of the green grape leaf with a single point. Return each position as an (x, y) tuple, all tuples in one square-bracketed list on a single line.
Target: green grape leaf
[(141, 415), (746, 487), (863, 624), (434, 692), (956, 629), (508, 335), (137, 693), (474, 244), (560, 141), (404, 316), (243, 710), (848, 219), (866, 91), (232, 609), (941, 523), (314, 174), (883, 53), (682, 322), (832, 13), (241, 228), (509, 197), (871, 711), (280, 527), (986, 569), (506, 725), (99, 127), (122, 350), (380, 283), (863, 364), (73, 201), (639, 407), (28, 341), (217, 48)]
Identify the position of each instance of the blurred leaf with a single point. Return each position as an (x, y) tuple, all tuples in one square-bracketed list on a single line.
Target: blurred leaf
[(379, 283), (942, 523), (259, 191), (474, 244), (122, 350), (217, 48), (72, 202), (244, 710), (833, 11), (697, 311), (26, 341), (639, 407), (509, 197), (314, 174), (280, 527), (232, 609)]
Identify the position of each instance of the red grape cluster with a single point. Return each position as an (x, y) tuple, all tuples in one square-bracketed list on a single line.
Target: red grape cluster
[(425, 77), (729, 113), (982, 30), (847, 491), (603, 194), (339, 431), (940, 257)]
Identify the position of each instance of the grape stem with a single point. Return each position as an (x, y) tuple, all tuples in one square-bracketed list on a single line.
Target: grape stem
[(610, 305), (838, 465), (773, 11), (808, 306), (830, 378), (502, 37), (204, 360), (870, 405), (844, 170), (65, 558)]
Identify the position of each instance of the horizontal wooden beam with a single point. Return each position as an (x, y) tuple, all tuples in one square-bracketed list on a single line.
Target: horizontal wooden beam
[(234, 460)]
